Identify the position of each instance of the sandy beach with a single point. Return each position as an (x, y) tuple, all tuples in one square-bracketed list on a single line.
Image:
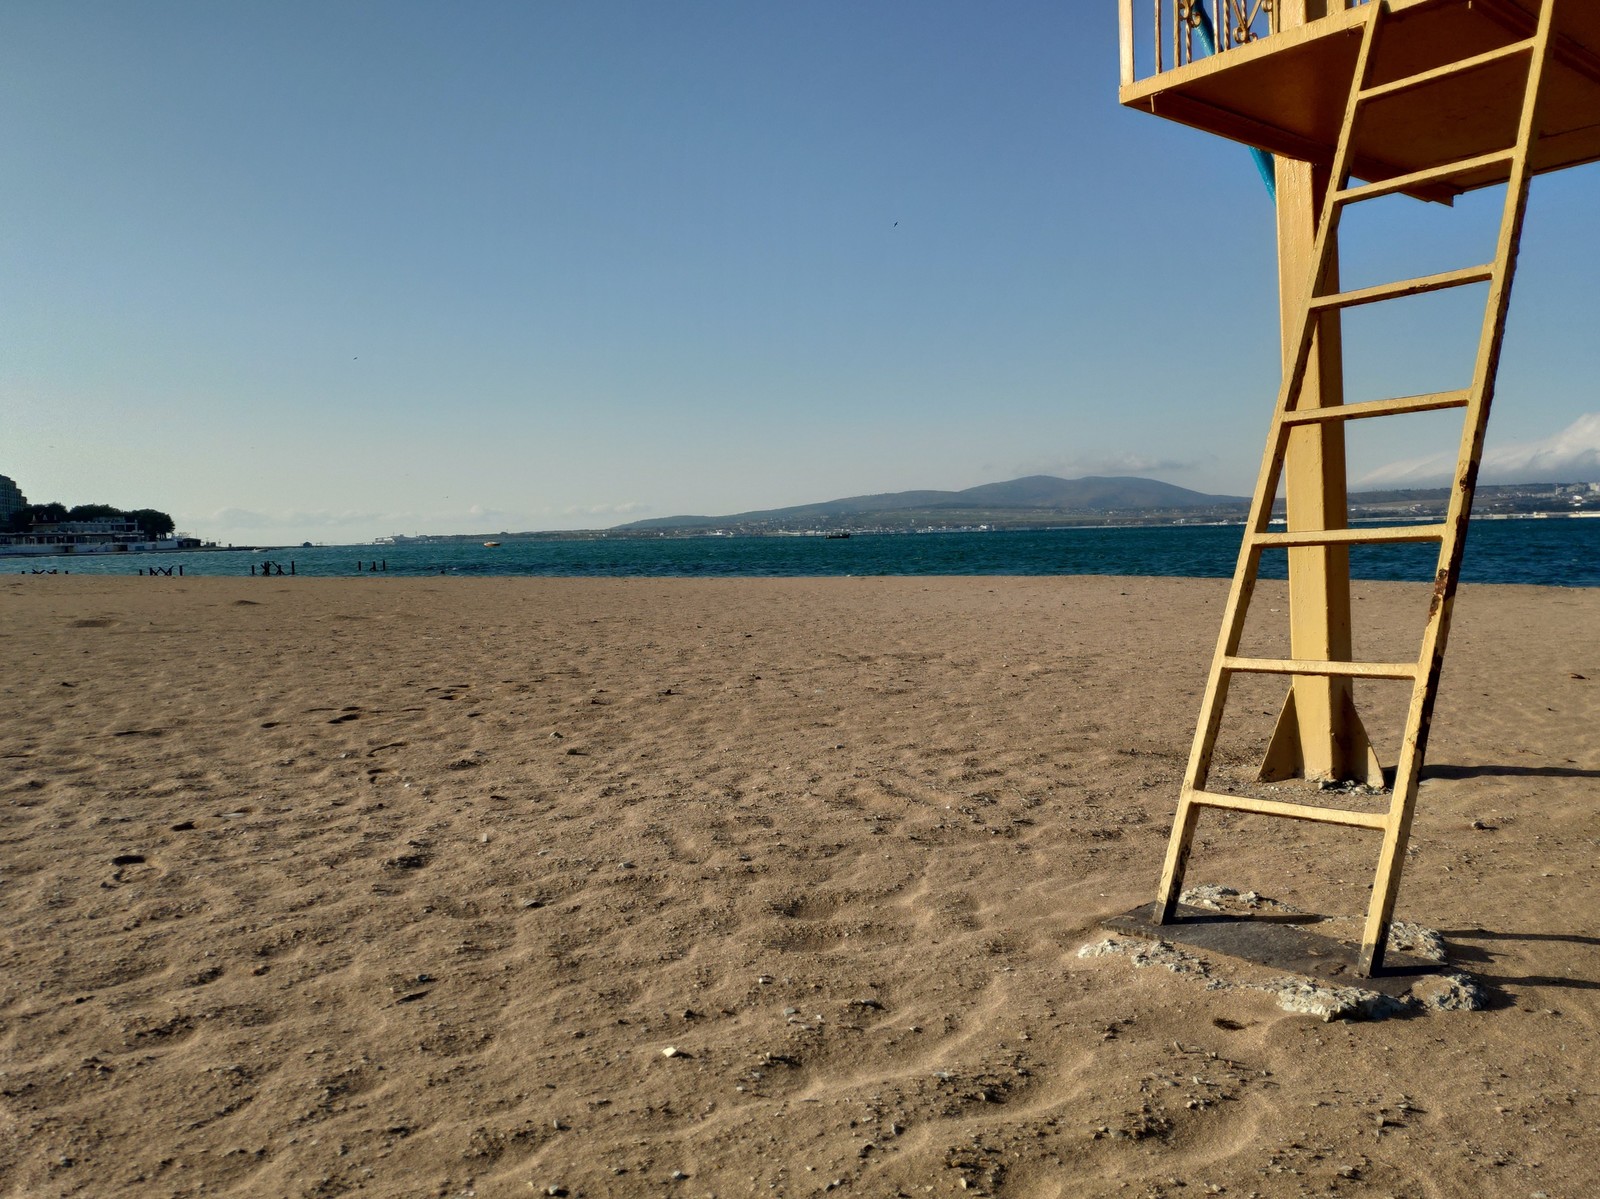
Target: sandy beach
[(503, 887)]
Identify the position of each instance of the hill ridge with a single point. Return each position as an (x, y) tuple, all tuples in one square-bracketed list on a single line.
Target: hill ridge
[(1035, 496)]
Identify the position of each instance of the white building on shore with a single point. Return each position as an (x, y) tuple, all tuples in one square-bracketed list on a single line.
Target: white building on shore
[(105, 535)]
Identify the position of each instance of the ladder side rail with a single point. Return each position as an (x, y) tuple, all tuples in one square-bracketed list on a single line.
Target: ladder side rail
[(1419, 718), (1247, 569), (1260, 517)]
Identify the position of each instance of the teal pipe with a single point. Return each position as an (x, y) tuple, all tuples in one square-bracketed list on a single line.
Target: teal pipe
[(1206, 35)]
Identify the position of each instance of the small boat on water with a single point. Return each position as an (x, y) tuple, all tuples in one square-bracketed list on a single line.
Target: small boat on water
[(493, 545), (836, 536)]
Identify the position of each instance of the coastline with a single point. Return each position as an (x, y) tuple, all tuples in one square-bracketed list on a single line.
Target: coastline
[(1562, 553), (406, 889)]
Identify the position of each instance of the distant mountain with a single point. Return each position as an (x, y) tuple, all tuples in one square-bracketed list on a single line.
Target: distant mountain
[(1029, 501), (1093, 494)]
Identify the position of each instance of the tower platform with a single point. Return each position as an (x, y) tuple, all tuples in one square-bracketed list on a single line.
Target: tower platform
[(1286, 92)]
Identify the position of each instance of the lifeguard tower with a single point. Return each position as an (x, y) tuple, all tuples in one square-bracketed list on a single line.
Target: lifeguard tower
[(1357, 100)]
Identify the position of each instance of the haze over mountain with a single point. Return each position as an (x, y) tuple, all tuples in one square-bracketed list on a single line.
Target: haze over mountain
[(1025, 500)]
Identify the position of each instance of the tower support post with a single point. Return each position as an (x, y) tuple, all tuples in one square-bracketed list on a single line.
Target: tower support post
[(1319, 734)]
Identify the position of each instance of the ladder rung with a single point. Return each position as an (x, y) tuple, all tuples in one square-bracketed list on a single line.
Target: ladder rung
[(1366, 535), (1343, 670), (1450, 68), (1423, 403), (1291, 811), (1405, 287), (1416, 179)]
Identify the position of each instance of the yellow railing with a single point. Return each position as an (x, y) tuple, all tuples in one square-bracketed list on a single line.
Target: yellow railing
[(1184, 31)]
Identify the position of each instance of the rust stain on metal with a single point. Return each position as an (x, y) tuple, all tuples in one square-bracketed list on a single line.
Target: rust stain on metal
[(1441, 588)]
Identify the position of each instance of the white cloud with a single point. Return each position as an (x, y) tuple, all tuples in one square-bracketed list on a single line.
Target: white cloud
[(489, 516), (246, 526), (239, 518), (244, 518), (626, 508), (1570, 456), (353, 526)]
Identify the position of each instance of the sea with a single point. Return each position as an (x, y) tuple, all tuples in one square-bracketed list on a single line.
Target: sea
[(1557, 551)]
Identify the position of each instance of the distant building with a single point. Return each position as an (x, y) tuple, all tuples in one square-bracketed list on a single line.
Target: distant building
[(12, 500), (113, 535)]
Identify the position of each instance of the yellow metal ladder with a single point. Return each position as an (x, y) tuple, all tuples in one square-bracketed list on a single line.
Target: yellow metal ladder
[(1395, 824)]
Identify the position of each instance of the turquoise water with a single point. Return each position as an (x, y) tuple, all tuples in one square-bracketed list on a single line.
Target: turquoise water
[(1556, 552)]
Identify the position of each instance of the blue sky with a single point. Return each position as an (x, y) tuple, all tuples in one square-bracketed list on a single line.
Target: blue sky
[(327, 271)]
